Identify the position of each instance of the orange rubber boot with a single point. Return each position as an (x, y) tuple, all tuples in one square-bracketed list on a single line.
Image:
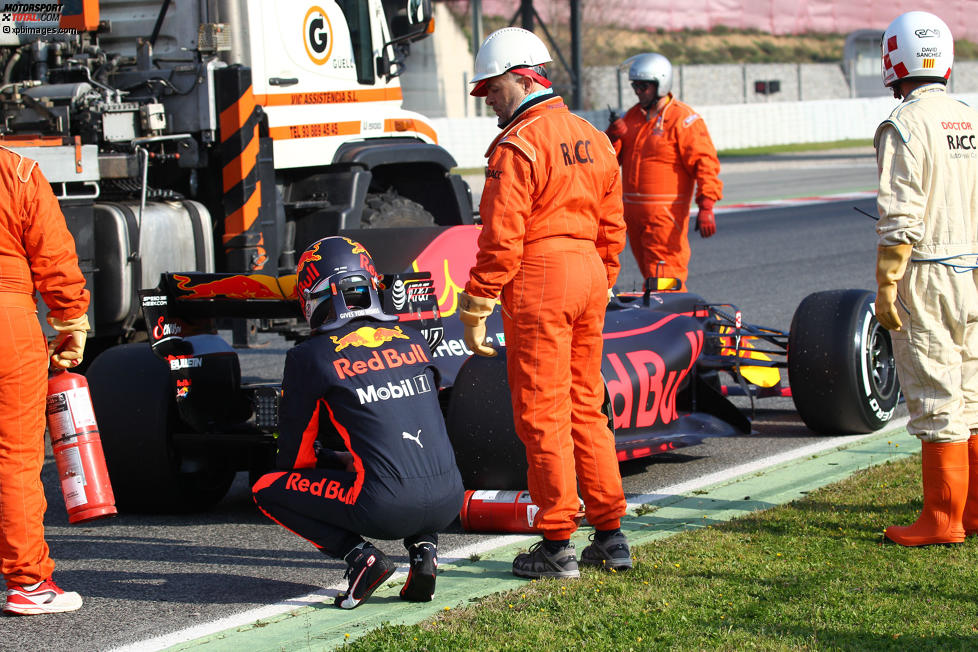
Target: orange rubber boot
[(945, 480), (970, 519)]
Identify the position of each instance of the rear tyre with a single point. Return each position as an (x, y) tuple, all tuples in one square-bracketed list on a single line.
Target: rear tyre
[(136, 414), (480, 425), (840, 364), (389, 210)]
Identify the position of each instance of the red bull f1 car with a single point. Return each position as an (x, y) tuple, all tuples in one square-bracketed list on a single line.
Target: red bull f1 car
[(177, 422)]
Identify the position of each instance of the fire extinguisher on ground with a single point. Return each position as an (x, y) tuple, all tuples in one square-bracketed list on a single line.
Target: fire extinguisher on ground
[(78, 448), (501, 511)]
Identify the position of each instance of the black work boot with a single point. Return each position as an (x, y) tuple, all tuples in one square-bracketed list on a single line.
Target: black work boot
[(611, 554), (539, 562)]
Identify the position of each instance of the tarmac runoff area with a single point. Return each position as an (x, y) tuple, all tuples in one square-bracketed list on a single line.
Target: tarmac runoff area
[(312, 622)]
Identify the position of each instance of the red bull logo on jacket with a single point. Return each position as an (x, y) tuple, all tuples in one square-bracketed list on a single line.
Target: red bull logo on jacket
[(368, 336), (380, 360)]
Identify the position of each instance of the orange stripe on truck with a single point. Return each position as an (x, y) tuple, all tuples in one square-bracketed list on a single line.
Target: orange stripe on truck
[(235, 116), (241, 220), (241, 165), (409, 124), (330, 97)]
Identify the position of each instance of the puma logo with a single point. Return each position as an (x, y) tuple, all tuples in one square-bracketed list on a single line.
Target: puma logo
[(415, 438)]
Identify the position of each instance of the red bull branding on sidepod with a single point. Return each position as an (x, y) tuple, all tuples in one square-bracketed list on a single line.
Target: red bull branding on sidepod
[(448, 258)]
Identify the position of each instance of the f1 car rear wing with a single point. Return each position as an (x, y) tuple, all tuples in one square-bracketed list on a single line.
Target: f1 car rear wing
[(185, 304)]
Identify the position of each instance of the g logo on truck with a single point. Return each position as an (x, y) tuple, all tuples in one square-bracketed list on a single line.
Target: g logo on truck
[(317, 34)]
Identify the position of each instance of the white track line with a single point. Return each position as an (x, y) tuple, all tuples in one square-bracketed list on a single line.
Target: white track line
[(801, 201), (465, 552)]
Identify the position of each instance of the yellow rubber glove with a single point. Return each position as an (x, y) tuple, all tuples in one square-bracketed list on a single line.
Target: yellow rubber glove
[(67, 347), (472, 312), (891, 263)]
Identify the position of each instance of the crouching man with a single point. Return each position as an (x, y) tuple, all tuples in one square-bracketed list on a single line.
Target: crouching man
[(362, 445)]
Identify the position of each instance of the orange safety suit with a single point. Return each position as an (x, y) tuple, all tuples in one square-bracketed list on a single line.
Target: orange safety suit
[(662, 155), (36, 253), (552, 231)]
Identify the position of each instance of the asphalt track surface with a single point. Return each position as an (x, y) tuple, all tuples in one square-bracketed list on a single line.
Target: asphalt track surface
[(155, 581)]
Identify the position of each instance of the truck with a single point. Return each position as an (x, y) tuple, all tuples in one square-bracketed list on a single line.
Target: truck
[(219, 135)]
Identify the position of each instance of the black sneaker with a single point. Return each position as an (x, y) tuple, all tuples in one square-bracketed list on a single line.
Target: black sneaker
[(420, 583), (540, 563), (612, 554), (367, 571)]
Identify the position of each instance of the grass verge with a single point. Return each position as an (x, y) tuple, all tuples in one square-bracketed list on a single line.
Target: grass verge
[(796, 147), (812, 574)]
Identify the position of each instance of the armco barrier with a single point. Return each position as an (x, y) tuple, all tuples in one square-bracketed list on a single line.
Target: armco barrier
[(734, 126)]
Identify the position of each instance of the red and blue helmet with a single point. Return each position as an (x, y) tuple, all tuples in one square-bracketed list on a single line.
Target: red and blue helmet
[(336, 281)]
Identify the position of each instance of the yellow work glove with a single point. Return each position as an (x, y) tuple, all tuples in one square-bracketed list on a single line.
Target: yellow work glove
[(67, 347), (891, 263), (472, 312)]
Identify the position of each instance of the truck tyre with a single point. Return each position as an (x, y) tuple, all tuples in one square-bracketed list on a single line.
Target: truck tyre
[(480, 426), (840, 364), (388, 210), (136, 414)]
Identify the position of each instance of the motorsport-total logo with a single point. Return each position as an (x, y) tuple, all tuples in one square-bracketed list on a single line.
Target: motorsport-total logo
[(31, 12)]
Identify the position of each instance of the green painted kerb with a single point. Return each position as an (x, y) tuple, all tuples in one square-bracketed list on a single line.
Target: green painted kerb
[(323, 626)]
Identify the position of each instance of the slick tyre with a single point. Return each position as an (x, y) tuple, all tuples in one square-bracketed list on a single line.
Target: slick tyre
[(136, 414), (480, 425), (840, 364)]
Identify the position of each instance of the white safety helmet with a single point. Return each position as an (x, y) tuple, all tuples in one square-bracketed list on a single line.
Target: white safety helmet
[(651, 67), (508, 48), (917, 45)]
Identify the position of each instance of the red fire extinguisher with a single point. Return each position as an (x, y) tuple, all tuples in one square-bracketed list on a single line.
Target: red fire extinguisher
[(78, 448), (501, 511)]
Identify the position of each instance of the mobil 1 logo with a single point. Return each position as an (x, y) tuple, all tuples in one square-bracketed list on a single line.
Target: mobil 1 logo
[(394, 390)]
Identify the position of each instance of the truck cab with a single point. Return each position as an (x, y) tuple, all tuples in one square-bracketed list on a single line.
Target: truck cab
[(221, 135)]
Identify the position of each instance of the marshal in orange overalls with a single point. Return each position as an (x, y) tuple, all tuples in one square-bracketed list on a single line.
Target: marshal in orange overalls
[(36, 253), (553, 229), (662, 157)]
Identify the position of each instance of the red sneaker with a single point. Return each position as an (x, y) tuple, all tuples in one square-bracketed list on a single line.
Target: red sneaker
[(41, 598)]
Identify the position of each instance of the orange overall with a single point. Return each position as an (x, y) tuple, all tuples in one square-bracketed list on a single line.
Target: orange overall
[(552, 232), (36, 252), (661, 158)]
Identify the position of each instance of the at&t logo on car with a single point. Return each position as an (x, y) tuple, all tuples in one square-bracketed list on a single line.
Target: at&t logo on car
[(394, 390)]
